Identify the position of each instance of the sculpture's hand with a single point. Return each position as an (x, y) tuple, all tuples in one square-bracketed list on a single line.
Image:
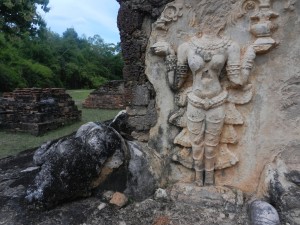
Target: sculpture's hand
[(162, 48)]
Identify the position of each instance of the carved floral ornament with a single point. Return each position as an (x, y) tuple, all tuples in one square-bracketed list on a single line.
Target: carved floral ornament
[(171, 13), (249, 6), (206, 109)]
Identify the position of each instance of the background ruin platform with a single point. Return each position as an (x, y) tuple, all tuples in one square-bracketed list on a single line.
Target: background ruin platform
[(107, 96), (37, 110)]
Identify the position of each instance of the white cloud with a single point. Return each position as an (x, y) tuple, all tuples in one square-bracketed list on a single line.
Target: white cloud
[(87, 17)]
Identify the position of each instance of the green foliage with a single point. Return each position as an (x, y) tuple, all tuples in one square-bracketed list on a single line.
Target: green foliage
[(20, 17), (10, 78), (36, 75), (54, 61), (33, 56)]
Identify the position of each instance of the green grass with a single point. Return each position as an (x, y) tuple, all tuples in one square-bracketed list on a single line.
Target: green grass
[(12, 143)]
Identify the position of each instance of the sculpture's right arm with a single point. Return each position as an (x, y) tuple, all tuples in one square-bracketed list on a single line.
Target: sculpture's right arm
[(177, 67)]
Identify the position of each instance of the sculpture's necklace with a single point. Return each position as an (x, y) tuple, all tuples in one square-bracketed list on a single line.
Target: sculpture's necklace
[(206, 48)]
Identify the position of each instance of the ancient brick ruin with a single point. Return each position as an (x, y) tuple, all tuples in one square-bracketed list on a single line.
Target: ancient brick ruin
[(37, 110), (107, 96), (135, 29)]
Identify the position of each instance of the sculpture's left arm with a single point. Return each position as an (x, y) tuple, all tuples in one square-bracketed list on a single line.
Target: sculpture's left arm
[(233, 66), (239, 67), (247, 63)]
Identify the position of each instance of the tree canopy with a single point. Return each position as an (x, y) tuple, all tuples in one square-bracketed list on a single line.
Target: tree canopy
[(21, 16), (33, 56)]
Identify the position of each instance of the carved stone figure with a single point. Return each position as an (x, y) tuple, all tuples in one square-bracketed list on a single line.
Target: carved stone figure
[(206, 102)]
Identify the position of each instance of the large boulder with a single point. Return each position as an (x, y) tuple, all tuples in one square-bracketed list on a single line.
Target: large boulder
[(284, 192), (72, 166), (262, 213), (280, 183), (96, 158)]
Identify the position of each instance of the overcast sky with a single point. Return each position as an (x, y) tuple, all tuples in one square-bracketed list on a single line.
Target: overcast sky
[(87, 17)]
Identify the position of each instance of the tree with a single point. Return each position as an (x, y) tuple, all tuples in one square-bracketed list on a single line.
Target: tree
[(52, 60), (33, 56), (70, 34), (20, 17)]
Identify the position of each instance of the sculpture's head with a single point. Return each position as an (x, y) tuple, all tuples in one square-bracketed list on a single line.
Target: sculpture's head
[(213, 16)]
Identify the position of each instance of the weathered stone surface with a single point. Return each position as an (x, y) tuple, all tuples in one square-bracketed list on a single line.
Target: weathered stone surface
[(107, 195), (140, 122), (15, 211), (110, 95), (134, 22), (118, 199), (261, 120), (140, 136), (73, 166), (142, 180), (293, 176), (161, 194), (101, 206), (214, 196), (94, 159), (262, 213), (67, 173), (141, 96), (121, 125), (280, 187), (247, 142), (37, 110)]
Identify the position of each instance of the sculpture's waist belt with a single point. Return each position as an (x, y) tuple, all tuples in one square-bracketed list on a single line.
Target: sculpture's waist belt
[(207, 103)]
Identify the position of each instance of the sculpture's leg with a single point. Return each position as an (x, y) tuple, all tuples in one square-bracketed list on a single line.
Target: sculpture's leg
[(198, 153), (213, 128), (209, 164), (196, 127)]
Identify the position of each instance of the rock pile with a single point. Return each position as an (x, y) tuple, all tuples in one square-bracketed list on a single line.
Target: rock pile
[(107, 96), (37, 110)]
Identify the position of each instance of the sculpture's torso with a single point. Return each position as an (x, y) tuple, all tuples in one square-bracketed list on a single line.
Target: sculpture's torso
[(206, 59)]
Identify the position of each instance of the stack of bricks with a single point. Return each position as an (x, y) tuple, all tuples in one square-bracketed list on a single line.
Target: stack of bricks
[(108, 96), (37, 110), (134, 19)]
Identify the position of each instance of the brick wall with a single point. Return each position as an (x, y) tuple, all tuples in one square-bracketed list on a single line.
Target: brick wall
[(108, 96), (134, 21), (37, 110)]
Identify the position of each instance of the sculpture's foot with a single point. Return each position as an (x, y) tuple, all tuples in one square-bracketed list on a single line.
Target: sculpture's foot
[(199, 178), (209, 178)]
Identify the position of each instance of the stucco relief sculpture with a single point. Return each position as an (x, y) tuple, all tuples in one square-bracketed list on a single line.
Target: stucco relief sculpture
[(208, 74)]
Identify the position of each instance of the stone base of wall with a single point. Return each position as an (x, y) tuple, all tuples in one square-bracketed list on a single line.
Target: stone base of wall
[(108, 96), (37, 110)]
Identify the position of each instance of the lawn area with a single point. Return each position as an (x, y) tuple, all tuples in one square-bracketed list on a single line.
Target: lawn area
[(11, 143)]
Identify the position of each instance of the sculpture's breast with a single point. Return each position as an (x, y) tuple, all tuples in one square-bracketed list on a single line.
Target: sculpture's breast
[(217, 62), (195, 61)]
